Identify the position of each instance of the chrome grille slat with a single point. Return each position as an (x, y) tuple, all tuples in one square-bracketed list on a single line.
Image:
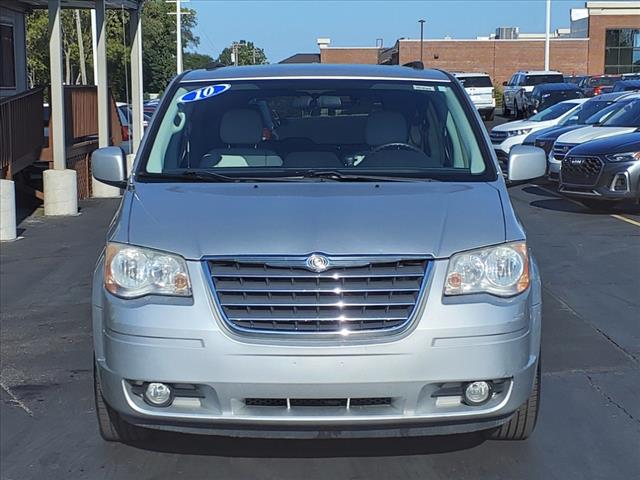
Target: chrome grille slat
[(354, 272), (360, 294)]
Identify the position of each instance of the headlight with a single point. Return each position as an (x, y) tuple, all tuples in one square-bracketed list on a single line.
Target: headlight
[(131, 272), (624, 157), (502, 270), (522, 131)]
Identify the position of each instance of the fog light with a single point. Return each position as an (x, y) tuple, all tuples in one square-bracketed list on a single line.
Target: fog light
[(477, 393), (158, 394)]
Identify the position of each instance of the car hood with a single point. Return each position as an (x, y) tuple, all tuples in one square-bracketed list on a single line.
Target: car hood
[(422, 218), (585, 134), (554, 132), (549, 133), (520, 124), (628, 142)]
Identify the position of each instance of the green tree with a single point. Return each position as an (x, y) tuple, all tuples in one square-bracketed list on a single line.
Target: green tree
[(192, 61), (37, 48), (158, 37), (159, 42), (248, 54)]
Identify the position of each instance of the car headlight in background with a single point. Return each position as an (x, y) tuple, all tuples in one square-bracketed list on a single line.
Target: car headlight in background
[(501, 270), (522, 131), (131, 272), (624, 157)]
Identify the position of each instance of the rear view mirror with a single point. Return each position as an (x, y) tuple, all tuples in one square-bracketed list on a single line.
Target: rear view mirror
[(526, 163), (108, 166)]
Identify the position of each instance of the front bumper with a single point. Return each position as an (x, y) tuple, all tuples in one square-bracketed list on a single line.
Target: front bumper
[(553, 167), (185, 342)]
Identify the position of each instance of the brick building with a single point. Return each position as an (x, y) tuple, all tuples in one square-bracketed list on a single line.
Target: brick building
[(604, 37)]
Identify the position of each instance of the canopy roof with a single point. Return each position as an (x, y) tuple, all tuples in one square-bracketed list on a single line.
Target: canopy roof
[(23, 4)]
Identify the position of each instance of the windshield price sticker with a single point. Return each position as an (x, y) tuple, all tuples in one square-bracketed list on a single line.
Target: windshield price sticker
[(204, 93)]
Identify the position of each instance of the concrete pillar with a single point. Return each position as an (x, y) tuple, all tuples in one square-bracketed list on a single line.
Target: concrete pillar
[(60, 192), (136, 80), (102, 190), (7, 210), (64, 200)]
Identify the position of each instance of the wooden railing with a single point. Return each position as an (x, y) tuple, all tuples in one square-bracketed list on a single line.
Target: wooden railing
[(21, 131), (81, 115), (81, 118)]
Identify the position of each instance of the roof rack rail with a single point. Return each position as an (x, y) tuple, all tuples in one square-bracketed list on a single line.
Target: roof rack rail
[(418, 65), (214, 65)]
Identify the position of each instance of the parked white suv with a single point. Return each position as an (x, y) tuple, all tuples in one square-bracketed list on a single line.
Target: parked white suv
[(506, 135), (480, 89), (521, 85)]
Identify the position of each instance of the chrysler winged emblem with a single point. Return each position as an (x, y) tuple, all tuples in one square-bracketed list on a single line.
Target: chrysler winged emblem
[(317, 263)]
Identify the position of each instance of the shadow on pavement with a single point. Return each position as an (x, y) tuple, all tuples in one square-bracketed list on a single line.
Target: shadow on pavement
[(535, 190), (562, 205), (317, 448)]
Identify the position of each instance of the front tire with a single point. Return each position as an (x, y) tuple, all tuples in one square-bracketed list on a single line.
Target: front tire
[(523, 422), (505, 111), (111, 426)]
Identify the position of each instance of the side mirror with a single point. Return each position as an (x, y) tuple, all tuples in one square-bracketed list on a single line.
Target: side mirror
[(108, 166), (505, 83), (526, 163)]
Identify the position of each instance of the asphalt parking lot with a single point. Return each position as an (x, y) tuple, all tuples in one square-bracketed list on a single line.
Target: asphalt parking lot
[(589, 426)]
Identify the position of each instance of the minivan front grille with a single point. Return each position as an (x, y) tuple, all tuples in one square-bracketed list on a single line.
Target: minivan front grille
[(355, 294)]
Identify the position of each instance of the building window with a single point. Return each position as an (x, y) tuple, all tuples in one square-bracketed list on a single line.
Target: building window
[(622, 51), (7, 60)]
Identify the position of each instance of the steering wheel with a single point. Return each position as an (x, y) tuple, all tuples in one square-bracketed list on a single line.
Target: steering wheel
[(398, 145)]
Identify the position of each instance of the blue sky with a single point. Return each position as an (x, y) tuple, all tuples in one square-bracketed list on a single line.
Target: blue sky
[(284, 27)]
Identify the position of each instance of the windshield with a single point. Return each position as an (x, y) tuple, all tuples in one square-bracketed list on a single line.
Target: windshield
[(582, 115), (481, 81), (540, 79), (627, 116), (553, 112), (296, 128), (602, 81)]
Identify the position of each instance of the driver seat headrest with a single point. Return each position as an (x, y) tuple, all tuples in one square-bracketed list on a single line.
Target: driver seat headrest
[(241, 126), (385, 127)]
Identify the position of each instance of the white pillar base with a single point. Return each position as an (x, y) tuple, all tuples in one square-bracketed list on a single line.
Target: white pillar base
[(60, 192), (102, 190), (7, 211)]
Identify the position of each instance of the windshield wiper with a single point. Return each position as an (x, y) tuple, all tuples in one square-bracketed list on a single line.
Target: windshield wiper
[(340, 176), (204, 176)]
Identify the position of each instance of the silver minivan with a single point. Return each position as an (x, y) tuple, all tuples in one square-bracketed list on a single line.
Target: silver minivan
[(316, 251)]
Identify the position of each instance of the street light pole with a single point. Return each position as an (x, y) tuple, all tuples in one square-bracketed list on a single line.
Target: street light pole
[(178, 37), (178, 13), (546, 36), (421, 22)]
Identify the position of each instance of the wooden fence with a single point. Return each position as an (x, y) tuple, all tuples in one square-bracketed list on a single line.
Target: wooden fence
[(21, 131)]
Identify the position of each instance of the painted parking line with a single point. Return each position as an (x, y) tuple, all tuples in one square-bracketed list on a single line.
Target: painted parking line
[(625, 219), (616, 216)]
